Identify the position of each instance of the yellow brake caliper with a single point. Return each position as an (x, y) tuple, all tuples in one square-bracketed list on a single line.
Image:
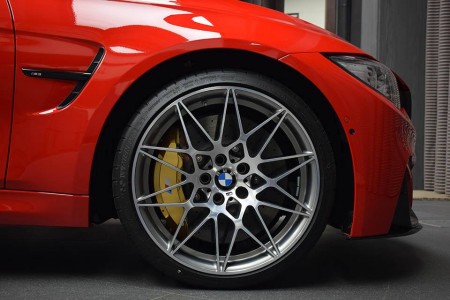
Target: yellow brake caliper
[(165, 177)]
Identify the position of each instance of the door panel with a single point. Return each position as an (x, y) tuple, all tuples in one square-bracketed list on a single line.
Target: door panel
[(6, 84)]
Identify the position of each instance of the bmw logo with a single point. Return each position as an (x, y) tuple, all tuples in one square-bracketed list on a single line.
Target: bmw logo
[(225, 179)]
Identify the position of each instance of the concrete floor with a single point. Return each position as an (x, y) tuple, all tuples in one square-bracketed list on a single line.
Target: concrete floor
[(100, 263)]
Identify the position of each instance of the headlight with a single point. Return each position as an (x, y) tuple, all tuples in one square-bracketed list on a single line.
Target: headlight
[(373, 73)]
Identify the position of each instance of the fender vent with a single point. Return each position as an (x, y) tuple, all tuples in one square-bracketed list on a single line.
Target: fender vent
[(81, 77)]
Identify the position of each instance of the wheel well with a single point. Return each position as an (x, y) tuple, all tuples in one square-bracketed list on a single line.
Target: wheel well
[(101, 199)]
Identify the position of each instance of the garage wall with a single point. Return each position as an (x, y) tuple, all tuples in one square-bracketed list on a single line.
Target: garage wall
[(437, 128), (312, 11), (273, 4), (394, 31), (402, 32)]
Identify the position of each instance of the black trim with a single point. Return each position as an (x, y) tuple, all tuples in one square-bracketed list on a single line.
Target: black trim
[(391, 234), (81, 77), (405, 95), (97, 59), (51, 74), (405, 221)]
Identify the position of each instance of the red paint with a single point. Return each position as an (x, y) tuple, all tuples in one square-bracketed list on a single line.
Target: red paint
[(43, 209), (6, 86), (381, 146), (52, 150), (64, 141)]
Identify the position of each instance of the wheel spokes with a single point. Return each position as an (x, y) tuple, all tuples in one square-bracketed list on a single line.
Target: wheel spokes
[(168, 189), (271, 134), (191, 234), (180, 225), (202, 129), (261, 125), (274, 245), (292, 198), (224, 116), (183, 124), (184, 151), (238, 114), (166, 164), (222, 245), (216, 238), (230, 248), (277, 179), (258, 241), (262, 203), (275, 159)]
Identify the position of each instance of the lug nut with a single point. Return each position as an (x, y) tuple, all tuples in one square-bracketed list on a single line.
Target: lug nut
[(218, 199), (241, 192), (199, 158), (243, 168), (205, 178), (235, 149), (221, 159)]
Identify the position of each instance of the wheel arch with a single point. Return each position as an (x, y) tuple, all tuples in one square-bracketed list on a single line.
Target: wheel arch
[(101, 199)]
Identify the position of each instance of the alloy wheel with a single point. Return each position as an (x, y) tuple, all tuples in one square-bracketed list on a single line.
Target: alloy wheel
[(225, 180)]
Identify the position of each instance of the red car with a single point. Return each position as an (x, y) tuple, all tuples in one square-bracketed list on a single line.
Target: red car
[(224, 136)]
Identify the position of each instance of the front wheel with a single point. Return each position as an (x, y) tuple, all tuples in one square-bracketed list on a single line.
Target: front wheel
[(224, 179)]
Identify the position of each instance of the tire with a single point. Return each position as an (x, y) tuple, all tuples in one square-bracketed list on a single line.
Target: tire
[(224, 202)]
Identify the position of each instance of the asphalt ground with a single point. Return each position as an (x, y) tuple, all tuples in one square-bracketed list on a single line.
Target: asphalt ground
[(100, 263)]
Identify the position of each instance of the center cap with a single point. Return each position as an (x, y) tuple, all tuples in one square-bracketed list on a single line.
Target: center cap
[(225, 179)]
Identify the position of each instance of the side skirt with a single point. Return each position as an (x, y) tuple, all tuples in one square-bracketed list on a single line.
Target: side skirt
[(43, 209)]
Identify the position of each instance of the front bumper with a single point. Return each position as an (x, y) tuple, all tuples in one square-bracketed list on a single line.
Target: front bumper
[(381, 140), (405, 221)]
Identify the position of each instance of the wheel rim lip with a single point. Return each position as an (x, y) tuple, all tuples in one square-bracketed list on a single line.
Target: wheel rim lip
[(265, 261)]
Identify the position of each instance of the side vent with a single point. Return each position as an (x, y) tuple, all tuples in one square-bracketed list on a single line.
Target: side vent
[(81, 77)]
